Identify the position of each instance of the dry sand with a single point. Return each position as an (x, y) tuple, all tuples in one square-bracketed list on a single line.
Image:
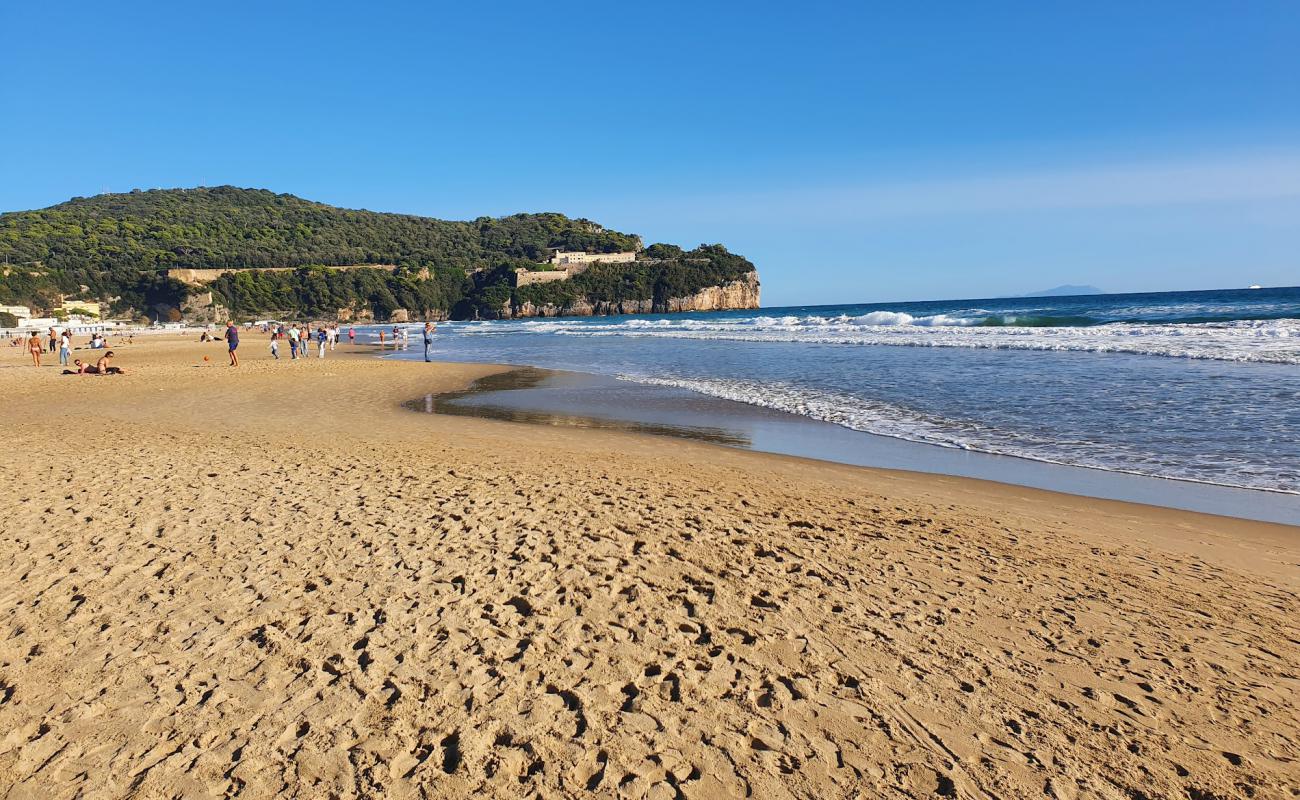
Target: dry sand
[(274, 581)]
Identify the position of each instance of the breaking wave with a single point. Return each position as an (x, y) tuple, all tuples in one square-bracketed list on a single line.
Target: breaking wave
[(895, 421), (1275, 341)]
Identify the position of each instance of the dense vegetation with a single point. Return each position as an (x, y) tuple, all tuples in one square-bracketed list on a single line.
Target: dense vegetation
[(117, 247), (317, 291)]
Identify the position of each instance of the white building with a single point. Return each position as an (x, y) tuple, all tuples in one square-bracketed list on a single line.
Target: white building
[(581, 257)]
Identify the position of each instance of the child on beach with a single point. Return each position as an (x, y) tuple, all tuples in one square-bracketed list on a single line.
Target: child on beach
[(275, 347)]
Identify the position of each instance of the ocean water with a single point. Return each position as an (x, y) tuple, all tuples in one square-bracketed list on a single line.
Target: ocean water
[(1193, 386)]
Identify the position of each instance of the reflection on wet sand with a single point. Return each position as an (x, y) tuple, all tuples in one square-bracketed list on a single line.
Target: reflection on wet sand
[(474, 401)]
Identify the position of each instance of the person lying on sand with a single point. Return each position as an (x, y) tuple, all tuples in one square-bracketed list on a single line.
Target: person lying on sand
[(104, 365), (81, 368)]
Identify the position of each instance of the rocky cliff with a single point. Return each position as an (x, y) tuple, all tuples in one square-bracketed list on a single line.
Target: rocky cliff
[(739, 294)]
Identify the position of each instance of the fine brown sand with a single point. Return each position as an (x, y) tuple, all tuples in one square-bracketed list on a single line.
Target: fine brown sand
[(275, 581)]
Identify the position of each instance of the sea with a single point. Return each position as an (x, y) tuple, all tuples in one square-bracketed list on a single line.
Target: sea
[(1199, 388)]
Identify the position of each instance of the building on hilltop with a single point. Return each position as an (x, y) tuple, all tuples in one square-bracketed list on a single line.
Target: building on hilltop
[(76, 307), (574, 258), (570, 263)]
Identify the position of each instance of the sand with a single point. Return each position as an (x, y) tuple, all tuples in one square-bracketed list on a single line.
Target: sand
[(276, 582)]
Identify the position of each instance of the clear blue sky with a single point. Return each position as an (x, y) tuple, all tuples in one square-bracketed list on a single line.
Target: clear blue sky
[(854, 151)]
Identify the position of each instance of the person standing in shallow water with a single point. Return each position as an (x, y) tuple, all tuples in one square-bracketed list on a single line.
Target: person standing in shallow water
[(429, 329), (232, 341)]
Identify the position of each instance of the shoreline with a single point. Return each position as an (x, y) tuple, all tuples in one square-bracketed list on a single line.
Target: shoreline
[(304, 588), (732, 424)]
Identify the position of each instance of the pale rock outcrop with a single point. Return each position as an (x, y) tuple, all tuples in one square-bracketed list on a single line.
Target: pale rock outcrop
[(738, 294)]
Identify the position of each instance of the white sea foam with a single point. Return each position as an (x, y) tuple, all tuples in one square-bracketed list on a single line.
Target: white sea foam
[(885, 419), (841, 409), (1264, 341)]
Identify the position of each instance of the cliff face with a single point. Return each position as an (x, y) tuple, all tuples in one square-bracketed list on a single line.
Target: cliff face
[(743, 293)]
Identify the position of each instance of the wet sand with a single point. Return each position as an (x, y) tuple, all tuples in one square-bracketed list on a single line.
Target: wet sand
[(277, 581), (576, 399)]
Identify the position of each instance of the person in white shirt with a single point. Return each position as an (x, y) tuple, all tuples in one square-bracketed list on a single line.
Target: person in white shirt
[(65, 347)]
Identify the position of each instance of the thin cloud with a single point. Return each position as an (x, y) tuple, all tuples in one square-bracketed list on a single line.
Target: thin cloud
[(1144, 185)]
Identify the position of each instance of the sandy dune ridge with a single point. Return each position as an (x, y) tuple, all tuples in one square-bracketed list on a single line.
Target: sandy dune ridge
[(274, 581)]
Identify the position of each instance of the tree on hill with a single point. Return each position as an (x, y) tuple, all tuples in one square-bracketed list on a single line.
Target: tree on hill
[(117, 248)]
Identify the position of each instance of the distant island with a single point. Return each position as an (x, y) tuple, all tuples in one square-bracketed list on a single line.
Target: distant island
[(206, 254), (1065, 291)]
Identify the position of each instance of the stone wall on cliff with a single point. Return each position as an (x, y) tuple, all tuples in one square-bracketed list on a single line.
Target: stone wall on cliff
[(738, 294)]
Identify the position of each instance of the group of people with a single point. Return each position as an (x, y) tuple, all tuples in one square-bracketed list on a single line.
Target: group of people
[(401, 336), (300, 340), (60, 341), (104, 366), (326, 337)]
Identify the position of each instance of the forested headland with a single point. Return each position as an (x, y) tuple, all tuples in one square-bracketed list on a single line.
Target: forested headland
[(117, 248)]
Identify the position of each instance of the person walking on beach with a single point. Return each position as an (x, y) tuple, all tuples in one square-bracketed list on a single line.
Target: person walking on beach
[(232, 341), (54, 340), (352, 335), (293, 342), (36, 348), (275, 345), (65, 348), (429, 329), (381, 338), (321, 337)]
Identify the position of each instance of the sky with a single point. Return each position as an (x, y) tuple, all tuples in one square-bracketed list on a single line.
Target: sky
[(861, 152)]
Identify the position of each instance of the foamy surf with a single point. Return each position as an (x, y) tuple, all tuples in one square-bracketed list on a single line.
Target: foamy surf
[(1198, 386), (1259, 341)]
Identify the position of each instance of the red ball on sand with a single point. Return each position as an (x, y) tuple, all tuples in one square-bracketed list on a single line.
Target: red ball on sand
[(205, 358)]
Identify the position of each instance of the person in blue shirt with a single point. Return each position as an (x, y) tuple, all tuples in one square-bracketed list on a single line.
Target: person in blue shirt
[(232, 341)]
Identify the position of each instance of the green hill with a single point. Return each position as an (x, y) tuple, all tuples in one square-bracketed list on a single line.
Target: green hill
[(117, 248)]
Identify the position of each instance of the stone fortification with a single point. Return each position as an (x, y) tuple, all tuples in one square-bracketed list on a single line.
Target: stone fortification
[(197, 277)]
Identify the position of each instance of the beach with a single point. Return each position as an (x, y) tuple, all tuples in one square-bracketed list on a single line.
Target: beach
[(277, 581)]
